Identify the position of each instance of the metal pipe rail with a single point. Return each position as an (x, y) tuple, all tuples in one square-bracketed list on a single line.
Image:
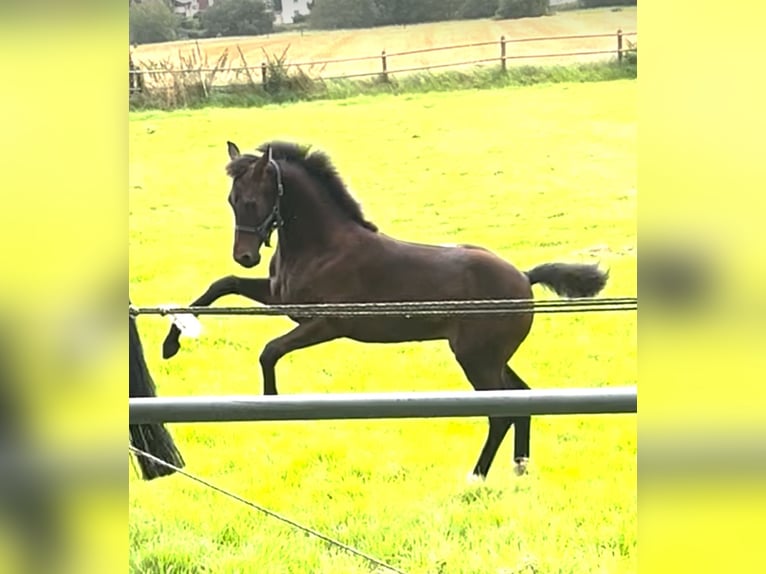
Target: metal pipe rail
[(608, 400)]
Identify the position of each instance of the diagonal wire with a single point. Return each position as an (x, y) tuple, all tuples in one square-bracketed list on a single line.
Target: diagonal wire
[(332, 541)]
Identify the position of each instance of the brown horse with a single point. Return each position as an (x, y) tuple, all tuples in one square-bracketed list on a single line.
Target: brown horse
[(327, 252)]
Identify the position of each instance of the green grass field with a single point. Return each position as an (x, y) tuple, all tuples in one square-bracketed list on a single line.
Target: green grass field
[(541, 173)]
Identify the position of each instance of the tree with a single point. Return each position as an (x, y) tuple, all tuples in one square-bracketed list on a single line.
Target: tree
[(152, 21), (597, 3), (238, 18), (391, 11), (329, 14), (414, 11), (477, 9), (522, 8)]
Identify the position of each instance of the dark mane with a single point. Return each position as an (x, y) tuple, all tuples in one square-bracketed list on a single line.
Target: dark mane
[(237, 167), (317, 164)]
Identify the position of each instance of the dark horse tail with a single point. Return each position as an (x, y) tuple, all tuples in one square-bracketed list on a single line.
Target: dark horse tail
[(152, 438), (569, 279)]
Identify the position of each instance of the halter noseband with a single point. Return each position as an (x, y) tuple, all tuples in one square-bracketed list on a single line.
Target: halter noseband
[(274, 219)]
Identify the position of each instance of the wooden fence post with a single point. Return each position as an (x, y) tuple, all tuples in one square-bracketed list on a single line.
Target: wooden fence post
[(136, 77), (263, 73), (384, 76), (502, 52), (619, 45)]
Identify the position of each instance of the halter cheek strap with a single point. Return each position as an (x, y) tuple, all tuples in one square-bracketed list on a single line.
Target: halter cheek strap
[(274, 219)]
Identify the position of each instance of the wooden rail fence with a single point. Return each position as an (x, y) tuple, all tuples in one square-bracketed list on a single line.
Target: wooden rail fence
[(139, 73)]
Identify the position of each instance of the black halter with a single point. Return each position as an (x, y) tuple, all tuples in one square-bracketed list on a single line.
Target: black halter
[(274, 219)]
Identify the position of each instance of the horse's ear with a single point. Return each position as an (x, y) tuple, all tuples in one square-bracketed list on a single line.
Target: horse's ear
[(233, 150), (263, 161)]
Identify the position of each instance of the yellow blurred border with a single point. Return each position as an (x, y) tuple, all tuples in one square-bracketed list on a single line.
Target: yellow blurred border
[(701, 183), (64, 241), (701, 175)]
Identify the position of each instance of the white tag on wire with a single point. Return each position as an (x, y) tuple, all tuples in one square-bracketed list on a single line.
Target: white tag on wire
[(186, 322)]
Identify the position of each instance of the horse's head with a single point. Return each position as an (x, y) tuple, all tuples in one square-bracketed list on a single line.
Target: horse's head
[(255, 198)]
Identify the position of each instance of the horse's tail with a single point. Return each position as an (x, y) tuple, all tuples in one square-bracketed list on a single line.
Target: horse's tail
[(151, 438), (569, 279)]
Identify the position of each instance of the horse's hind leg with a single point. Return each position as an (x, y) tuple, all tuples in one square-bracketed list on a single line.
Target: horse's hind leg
[(498, 428), (486, 375), (521, 435)]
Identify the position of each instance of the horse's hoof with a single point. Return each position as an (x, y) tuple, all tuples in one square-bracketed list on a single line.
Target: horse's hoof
[(473, 479), (170, 347), (521, 466)]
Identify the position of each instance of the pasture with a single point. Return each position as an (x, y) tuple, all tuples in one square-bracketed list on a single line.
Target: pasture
[(314, 46), (541, 173)]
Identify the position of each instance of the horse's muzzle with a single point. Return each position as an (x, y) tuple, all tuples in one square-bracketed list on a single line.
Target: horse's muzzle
[(248, 260)]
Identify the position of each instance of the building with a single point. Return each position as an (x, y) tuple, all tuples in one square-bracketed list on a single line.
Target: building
[(186, 8), (189, 8), (289, 9)]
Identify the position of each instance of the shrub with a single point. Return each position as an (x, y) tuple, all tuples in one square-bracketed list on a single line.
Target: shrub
[(281, 80), (189, 24), (238, 18), (196, 34), (331, 14), (598, 3), (172, 84), (416, 11), (152, 21), (630, 52), (477, 9), (521, 8)]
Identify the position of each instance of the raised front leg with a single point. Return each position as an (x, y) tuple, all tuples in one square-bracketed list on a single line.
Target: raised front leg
[(258, 290), (305, 335)]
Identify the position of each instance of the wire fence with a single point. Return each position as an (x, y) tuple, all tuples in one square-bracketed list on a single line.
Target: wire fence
[(408, 308), (611, 400), (220, 77), (615, 400), (270, 513)]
